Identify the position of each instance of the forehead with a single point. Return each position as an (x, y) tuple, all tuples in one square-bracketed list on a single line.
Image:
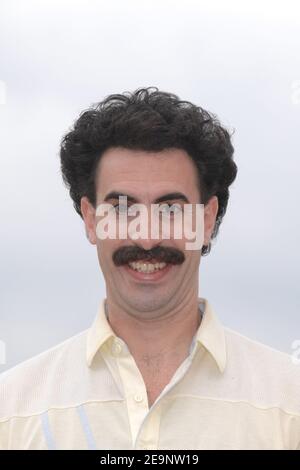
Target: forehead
[(144, 172)]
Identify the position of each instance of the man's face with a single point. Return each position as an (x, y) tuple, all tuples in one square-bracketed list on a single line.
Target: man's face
[(147, 177)]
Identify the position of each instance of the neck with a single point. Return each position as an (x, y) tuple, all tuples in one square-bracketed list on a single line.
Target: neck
[(163, 339)]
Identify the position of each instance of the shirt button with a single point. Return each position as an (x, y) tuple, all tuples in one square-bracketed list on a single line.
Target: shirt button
[(138, 398), (116, 348)]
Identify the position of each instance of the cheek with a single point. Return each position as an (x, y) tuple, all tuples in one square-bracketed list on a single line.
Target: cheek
[(105, 250), (192, 258), (195, 259)]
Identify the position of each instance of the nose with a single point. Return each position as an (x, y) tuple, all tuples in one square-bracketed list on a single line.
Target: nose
[(149, 229), (147, 243)]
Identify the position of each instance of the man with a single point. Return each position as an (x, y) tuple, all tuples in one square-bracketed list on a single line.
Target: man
[(157, 369)]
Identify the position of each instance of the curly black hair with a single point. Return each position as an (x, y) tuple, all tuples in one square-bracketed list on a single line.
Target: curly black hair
[(151, 120)]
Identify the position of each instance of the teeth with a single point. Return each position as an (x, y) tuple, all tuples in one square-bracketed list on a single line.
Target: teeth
[(144, 267)]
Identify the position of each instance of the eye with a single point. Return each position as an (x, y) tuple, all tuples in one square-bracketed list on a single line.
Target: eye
[(123, 209), (171, 209)]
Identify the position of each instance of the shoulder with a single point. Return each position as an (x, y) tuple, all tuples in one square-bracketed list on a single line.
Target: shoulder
[(26, 387), (272, 376)]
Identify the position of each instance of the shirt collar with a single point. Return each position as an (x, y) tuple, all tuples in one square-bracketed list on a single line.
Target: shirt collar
[(98, 334), (210, 334)]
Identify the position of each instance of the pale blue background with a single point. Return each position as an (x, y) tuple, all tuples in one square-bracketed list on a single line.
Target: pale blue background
[(238, 59)]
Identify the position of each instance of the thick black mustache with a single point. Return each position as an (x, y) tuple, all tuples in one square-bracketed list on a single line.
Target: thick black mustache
[(128, 254)]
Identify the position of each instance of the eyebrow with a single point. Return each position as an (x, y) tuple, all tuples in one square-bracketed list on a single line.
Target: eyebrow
[(165, 197)]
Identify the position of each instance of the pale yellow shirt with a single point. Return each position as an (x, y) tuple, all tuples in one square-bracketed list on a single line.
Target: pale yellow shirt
[(87, 393)]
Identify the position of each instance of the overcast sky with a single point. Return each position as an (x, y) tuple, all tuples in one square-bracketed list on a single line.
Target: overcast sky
[(240, 60)]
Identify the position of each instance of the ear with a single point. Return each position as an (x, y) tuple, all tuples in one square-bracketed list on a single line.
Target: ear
[(88, 214), (210, 215)]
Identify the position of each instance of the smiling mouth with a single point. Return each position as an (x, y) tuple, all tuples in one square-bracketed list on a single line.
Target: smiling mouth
[(148, 270), (147, 266)]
